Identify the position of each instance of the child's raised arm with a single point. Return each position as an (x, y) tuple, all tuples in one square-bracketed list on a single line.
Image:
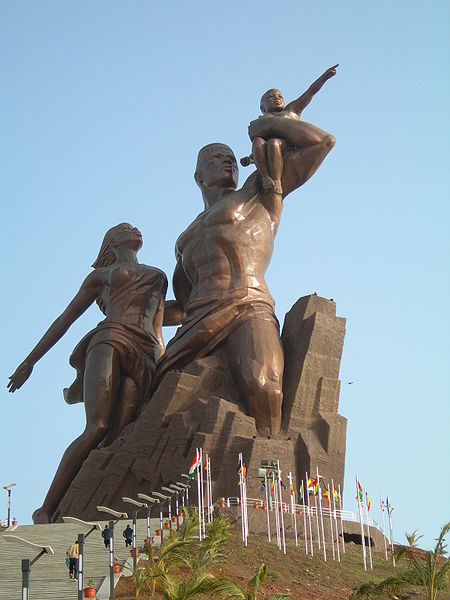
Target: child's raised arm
[(298, 105)]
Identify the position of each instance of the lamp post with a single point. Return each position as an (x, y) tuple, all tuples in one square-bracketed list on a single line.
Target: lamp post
[(149, 508), (161, 498), (81, 538), (169, 503), (177, 490), (118, 515), (26, 562), (185, 487), (8, 489), (135, 512)]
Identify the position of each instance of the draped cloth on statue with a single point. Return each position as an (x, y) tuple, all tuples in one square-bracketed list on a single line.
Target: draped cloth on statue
[(209, 322), (137, 347)]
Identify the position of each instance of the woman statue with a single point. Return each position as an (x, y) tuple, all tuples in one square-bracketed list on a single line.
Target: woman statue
[(115, 361)]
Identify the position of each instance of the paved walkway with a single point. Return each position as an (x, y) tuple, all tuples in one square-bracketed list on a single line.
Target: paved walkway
[(49, 576)]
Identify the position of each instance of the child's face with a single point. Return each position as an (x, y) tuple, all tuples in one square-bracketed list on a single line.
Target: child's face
[(272, 101)]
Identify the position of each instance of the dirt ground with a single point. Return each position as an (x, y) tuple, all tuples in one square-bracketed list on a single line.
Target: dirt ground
[(305, 577)]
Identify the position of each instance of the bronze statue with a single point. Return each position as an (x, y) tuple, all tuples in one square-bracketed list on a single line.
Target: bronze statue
[(115, 362), (221, 261), (267, 153)]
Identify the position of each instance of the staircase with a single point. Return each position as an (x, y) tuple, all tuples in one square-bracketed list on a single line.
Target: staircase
[(49, 576)]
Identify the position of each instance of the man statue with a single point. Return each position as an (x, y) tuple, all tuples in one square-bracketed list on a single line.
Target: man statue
[(221, 261)]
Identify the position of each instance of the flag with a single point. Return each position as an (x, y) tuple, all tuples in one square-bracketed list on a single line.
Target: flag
[(313, 486), (195, 465), (368, 501), (327, 496), (360, 493), (381, 503), (242, 474), (292, 488), (336, 496)]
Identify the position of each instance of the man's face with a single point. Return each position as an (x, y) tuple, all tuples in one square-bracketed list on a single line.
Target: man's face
[(272, 101), (219, 169)]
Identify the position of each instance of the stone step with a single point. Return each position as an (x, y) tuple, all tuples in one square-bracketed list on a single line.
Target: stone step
[(49, 576)]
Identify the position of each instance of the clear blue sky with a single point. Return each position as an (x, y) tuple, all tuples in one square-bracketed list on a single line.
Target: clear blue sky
[(103, 108)]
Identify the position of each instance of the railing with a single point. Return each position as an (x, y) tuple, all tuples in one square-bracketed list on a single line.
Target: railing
[(345, 515)]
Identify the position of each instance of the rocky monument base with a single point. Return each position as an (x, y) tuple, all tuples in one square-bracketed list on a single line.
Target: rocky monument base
[(201, 407)]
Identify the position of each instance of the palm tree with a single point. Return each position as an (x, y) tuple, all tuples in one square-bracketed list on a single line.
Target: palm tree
[(232, 591), (422, 572), (413, 538)]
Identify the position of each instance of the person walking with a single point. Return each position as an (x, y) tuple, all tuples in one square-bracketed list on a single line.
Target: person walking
[(106, 535), (72, 553), (128, 535)]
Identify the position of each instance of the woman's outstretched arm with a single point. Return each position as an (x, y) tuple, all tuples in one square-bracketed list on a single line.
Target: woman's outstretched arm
[(83, 299)]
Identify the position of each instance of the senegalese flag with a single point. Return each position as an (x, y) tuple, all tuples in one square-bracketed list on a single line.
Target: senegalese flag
[(195, 465), (327, 496), (292, 488), (336, 496), (360, 493), (368, 501)]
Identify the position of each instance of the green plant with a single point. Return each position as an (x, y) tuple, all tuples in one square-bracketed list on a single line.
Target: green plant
[(90, 582), (419, 572), (232, 591), (141, 579), (413, 538)]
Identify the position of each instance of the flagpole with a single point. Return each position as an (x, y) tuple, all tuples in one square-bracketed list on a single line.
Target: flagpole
[(321, 515), (363, 543), (331, 522), (277, 509), (210, 488), (244, 475), (199, 495), (267, 506), (389, 511), (202, 490), (342, 522), (309, 515), (304, 520), (207, 488), (281, 505), (294, 512), (241, 493), (335, 520), (384, 527), (368, 530), (319, 545)]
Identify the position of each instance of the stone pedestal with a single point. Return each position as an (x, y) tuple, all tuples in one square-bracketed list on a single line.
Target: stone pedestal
[(201, 407)]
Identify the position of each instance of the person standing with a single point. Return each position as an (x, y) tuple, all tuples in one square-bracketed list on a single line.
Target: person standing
[(72, 553), (106, 535)]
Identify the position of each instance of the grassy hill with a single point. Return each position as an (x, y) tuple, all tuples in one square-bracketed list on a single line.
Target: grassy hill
[(304, 577)]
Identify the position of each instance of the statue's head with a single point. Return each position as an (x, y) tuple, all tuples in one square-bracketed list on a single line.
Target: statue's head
[(272, 101), (123, 235), (216, 167)]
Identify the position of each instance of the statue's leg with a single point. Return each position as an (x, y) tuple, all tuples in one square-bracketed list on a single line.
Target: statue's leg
[(100, 388), (275, 161), (256, 360), (125, 411), (260, 157)]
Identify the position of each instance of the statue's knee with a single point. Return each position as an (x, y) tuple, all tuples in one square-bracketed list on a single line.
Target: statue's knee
[(95, 431), (274, 144), (258, 143)]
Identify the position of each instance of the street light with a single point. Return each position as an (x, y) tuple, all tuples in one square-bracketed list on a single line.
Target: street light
[(177, 490), (185, 476), (81, 538), (169, 503), (149, 507), (135, 512), (119, 515), (161, 498), (26, 562), (185, 487), (8, 489)]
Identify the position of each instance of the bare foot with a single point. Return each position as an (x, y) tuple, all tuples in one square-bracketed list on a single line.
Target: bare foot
[(267, 183), (40, 517)]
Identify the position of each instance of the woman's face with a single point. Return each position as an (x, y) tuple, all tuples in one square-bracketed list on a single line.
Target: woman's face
[(127, 236)]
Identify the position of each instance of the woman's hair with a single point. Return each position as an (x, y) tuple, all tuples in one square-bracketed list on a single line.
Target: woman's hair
[(106, 256)]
